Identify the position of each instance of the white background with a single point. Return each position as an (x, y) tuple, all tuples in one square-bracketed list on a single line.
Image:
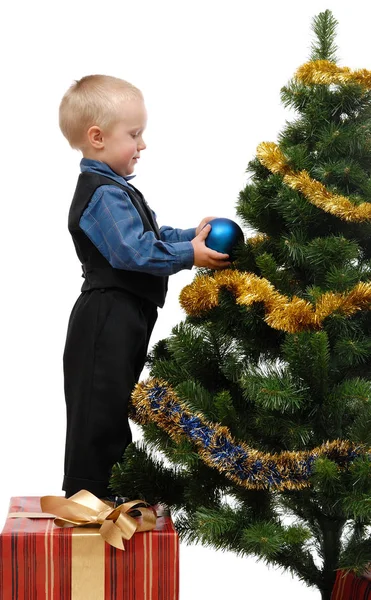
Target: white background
[(211, 73)]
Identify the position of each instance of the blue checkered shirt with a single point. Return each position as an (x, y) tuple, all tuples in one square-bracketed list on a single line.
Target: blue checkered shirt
[(114, 226)]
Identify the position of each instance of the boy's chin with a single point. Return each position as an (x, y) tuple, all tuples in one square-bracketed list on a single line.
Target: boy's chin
[(126, 172), (130, 170)]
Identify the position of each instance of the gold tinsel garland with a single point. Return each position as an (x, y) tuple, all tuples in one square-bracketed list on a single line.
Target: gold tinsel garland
[(291, 315), (257, 239), (324, 72), (155, 401), (273, 159)]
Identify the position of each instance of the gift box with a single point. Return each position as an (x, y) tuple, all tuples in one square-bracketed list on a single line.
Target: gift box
[(41, 561), (349, 587)]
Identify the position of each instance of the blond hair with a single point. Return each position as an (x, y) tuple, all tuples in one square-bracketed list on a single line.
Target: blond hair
[(93, 100)]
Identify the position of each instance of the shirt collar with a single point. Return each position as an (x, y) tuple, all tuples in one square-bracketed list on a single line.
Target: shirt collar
[(96, 166)]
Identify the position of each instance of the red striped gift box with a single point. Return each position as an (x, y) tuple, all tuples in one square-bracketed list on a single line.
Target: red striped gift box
[(40, 561), (349, 587)]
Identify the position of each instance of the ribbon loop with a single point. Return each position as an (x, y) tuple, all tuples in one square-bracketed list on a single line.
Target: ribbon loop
[(116, 524)]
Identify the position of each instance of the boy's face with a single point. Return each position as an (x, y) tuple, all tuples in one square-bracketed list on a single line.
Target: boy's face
[(122, 144)]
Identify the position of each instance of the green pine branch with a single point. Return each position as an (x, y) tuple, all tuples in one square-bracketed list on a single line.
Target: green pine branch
[(324, 27)]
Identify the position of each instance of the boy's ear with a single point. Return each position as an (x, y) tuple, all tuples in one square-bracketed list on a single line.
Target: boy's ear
[(95, 137)]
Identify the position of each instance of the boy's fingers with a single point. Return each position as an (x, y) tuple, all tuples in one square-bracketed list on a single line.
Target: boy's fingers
[(204, 232), (218, 256), (220, 263)]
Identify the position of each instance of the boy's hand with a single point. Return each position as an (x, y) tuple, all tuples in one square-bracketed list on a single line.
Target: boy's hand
[(204, 256), (203, 223)]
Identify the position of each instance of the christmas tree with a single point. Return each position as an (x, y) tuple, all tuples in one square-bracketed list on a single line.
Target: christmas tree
[(257, 415)]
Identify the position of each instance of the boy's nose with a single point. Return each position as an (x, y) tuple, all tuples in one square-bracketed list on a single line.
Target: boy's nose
[(141, 143)]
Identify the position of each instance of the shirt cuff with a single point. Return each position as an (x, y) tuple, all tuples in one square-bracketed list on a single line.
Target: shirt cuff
[(186, 255)]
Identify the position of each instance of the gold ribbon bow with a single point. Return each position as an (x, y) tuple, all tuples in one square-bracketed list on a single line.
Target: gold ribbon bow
[(84, 508)]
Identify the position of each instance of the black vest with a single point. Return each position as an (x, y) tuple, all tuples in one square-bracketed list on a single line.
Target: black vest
[(97, 271)]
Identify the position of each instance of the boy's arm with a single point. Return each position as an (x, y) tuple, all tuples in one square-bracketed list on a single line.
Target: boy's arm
[(114, 226), (169, 234)]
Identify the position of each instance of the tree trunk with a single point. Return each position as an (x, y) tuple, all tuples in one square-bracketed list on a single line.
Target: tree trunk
[(331, 546), (326, 594)]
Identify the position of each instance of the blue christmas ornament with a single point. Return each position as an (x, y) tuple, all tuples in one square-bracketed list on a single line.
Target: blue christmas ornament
[(225, 235)]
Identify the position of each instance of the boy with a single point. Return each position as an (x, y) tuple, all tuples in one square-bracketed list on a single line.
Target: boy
[(126, 260)]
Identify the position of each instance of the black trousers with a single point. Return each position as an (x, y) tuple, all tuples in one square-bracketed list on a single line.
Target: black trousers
[(106, 347)]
